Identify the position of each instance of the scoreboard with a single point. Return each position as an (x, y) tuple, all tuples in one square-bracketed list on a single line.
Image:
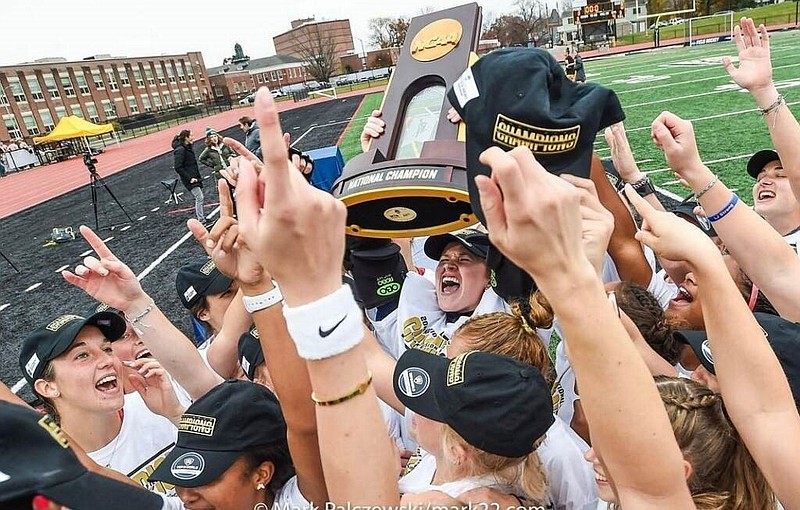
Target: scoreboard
[(598, 11)]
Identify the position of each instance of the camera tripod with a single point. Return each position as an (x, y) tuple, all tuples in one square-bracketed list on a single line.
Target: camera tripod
[(96, 181)]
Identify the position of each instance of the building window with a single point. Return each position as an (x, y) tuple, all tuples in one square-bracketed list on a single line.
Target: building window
[(47, 120), (132, 106), (123, 76), (92, 111), (97, 78), (12, 127), (52, 88), (157, 101), (108, 109), (260, 78), (30, 123), (177, 95), (196, 95), (190, 70), (82, 85), (61, 112), (181, 76), (273, 76), (146, 102), (170, 72), (3, 98), (236, 87), (167, 99), (148, 73), (219, 92), (137, 75), (187, 97), (36, 89), (76, 110), (112, 80), (66, 83)]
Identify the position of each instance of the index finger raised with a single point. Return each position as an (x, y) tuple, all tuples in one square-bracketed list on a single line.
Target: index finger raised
[(225, 200), (96, 243), (273, 148)]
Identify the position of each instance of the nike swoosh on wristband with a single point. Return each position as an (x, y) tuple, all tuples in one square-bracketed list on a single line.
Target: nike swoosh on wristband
[(325, 332)]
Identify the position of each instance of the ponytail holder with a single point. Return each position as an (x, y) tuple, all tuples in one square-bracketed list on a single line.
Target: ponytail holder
[(527, 327), (753, 297)]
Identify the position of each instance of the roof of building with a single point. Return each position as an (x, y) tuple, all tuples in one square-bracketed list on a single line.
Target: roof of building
[(310, 23), (256, 63)]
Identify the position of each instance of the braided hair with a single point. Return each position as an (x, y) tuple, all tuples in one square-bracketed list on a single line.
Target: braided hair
[(646, 313)]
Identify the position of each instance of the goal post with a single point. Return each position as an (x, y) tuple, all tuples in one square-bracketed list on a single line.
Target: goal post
[(706, 29), (330, 93)]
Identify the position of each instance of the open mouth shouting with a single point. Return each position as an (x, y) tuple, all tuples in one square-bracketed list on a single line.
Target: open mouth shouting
[(449, 285), (684, 297), (765, 194), (107, 384)]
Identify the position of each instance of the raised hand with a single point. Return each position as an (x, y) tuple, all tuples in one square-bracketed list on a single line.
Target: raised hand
[(152, 382), (221, 243), (597, 221), (755, 68), (675, 137), (106, 279), (668, 235), (295, 230), (533, 217), (621, 153)]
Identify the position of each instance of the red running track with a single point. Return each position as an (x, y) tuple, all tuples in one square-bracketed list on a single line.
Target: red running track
[(21, 190)]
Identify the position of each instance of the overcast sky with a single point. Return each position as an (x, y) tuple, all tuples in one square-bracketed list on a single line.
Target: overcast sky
[(76, 29)]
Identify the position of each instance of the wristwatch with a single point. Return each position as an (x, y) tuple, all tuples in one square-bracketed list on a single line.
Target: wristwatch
[(263, 301)]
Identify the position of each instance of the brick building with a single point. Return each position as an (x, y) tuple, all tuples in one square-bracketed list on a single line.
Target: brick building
[(238, 80), (34, 96), (307, 33)]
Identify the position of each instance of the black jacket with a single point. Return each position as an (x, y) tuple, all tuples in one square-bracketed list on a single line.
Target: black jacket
[(186, 165)]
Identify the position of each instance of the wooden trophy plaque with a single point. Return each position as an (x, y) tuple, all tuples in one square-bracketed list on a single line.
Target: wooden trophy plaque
[(413, 181)]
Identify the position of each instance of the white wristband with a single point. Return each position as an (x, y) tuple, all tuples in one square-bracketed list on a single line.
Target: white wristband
[(263, 301), (327, 327)]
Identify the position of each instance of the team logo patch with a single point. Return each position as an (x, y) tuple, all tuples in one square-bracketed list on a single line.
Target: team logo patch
[(188, 466), (197, 424), (208, 267), (189, 293), (245, 365), (512, 133), (706, 350), (61, 321), (455, 370), (30, 366), (413, 382), (52, 428)]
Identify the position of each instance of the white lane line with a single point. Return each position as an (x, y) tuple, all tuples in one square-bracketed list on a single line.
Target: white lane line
[(3, 307), (673, 196), (717, 116), (62, 268), (21, 383), (643, 161), (34, 286), (155, 209), (141, 218), (108, 239), (86, 253), (123, 229)]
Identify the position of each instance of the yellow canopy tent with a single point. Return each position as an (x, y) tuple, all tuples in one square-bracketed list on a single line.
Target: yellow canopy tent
[(74, 127)]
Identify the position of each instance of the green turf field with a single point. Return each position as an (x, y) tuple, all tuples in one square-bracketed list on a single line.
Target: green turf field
[(692, 83)]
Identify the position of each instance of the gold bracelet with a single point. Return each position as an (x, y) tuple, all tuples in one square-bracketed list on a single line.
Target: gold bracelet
[(360, 390)]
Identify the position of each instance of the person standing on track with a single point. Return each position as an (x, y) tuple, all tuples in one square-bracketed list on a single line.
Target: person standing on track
[(186, 166)]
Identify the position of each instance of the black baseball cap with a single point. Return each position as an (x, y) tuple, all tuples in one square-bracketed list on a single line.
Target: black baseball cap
[(496, 403), (250, 353), (521, 96), (475, 241), (685, 210), (783, 337), (37, 459), (200, 279), (758, 160), (217, 429), (53, 339)]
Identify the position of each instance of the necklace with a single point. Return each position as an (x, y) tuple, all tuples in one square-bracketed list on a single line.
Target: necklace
[(116, 441)]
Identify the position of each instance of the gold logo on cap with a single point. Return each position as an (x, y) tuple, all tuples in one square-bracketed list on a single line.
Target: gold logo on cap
[(512, 133), (455, 370), (197, 424), (52, 428), (208, 267), (61, 321), (436, 40)]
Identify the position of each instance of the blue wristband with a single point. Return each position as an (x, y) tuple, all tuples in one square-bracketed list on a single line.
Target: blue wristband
[(725, 210)]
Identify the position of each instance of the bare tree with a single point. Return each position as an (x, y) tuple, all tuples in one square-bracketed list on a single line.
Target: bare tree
[(486, 25), (388, 32), (509, 31), (532, 17), (566, 7), (318, 50)]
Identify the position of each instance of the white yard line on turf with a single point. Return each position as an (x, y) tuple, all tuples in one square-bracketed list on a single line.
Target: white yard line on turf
[(315, 126), (21, 383), (717, 116), (710, 162)]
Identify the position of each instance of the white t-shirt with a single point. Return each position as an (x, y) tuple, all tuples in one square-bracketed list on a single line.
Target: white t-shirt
[(143, 442), (570, 478), (289, 497), (793, 239)]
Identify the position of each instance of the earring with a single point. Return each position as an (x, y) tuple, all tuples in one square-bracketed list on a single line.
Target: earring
[(57, 394), (261, 487)]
